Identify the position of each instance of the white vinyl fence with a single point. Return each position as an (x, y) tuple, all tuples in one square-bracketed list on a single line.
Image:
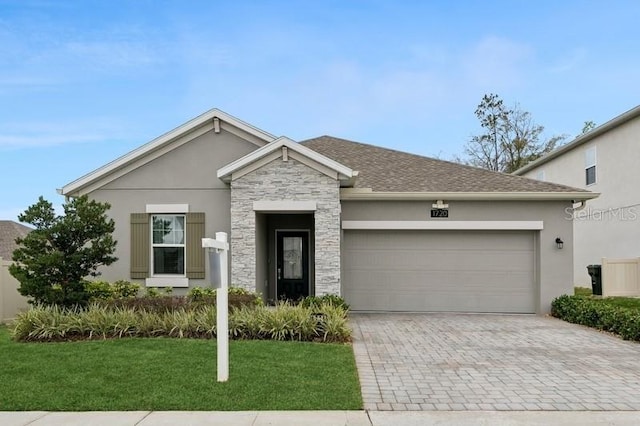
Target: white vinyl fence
[(11, 302), (621, 277)]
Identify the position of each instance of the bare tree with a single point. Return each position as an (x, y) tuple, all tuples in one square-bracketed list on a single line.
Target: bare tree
[(510, 140)]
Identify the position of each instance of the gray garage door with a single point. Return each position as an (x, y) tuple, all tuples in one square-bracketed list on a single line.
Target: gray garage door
[(446, 271)]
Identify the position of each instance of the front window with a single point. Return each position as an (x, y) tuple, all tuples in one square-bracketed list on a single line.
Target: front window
[(168, 244)]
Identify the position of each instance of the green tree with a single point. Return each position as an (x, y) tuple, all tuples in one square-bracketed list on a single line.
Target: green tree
[(511, 138), (587, 127), (53, 260)]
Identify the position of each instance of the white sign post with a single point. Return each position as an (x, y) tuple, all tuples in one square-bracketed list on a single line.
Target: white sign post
[(220, 278)]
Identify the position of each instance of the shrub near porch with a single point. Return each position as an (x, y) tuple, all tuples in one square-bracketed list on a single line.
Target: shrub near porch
[(284, 322), (115, 314)]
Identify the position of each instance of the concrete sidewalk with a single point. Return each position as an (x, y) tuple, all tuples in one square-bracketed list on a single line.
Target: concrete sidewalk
[(319, 418)]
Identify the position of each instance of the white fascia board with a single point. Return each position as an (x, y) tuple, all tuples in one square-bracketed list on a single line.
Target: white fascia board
[(284, 206), (167, 208), (464, 225), (243, 125), (205, 119), (582, 139), (368, 194), (226, 171), (120, 167)]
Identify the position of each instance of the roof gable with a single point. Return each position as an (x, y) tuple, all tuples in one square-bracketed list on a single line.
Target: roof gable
[(284, 146), (9, 231), (214, 119), (403, 175)]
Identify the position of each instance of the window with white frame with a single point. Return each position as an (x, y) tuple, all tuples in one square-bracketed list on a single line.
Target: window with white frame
[(168, 244), (590, 165)]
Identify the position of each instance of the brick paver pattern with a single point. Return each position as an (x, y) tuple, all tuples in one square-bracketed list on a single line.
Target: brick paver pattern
[(492, 362)]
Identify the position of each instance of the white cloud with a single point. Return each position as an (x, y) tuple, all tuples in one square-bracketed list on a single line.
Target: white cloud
[(496, 63), (39, 134), (569, 61), (109, 54)]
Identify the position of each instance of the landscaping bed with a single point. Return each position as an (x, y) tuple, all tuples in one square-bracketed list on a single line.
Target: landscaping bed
[(118, 311), (324, 323)]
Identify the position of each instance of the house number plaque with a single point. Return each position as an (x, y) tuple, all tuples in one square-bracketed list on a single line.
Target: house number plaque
[(439, 212)]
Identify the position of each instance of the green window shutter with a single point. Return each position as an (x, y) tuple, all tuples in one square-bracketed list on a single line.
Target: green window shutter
[(195, 252), (140, 250)]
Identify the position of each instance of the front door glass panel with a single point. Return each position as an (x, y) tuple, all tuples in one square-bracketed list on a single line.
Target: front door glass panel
[(292, 257)]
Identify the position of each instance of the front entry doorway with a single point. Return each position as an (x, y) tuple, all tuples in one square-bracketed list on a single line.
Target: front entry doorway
[(292, 264)]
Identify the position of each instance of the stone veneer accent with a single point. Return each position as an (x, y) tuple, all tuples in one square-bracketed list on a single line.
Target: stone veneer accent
[(286, 180)]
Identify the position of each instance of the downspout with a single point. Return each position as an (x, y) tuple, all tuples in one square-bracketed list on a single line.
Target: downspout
[(583, 204)]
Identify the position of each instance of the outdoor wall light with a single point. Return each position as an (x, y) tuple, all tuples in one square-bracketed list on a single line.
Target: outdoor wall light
[(559, 243)]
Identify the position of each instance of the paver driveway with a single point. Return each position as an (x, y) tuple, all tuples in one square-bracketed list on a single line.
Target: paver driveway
[(492, 362)]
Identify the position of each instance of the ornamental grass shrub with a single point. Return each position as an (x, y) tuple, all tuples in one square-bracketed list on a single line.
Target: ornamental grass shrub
[(597, 313), (323, 323)]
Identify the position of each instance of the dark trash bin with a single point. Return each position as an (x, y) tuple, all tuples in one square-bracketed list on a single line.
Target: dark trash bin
[(595, 271)]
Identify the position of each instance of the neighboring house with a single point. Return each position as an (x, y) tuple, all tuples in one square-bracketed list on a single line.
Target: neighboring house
[(11, 302), (9, 231), (387, 230), (605, 160)]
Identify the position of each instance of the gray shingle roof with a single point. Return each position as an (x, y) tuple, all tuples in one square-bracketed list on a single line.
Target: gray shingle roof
[(387, 170), (9, 231)]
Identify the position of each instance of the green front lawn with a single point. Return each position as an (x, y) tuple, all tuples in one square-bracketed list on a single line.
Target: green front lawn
[(622, 302), (175, 374)]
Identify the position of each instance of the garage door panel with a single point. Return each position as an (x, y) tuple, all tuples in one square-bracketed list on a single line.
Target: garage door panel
[(428, 260), (439, 271), (415, 280), (437, 302), (440, 240)]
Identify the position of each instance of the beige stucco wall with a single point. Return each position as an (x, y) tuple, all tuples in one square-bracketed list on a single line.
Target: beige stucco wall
[(185, 175), (11, 302), (554, 267), (609, 226)]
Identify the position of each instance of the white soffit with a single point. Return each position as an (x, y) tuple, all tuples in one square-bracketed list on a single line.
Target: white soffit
[(463, 225), (368, 194)]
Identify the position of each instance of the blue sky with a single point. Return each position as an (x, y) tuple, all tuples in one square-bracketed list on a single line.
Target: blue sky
[(83, 82)]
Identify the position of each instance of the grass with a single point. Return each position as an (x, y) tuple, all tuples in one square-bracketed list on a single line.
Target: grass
[(582, 291), (622, 302), (175, 374)]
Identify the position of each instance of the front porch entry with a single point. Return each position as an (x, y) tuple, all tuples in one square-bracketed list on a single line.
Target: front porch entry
[(285, 254)]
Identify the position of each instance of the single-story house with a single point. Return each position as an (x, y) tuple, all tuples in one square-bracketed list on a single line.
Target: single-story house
[(387, 230), (9, 231), (604, 160)]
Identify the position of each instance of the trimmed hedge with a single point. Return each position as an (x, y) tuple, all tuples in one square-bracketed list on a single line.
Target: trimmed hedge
[(624, 322)]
